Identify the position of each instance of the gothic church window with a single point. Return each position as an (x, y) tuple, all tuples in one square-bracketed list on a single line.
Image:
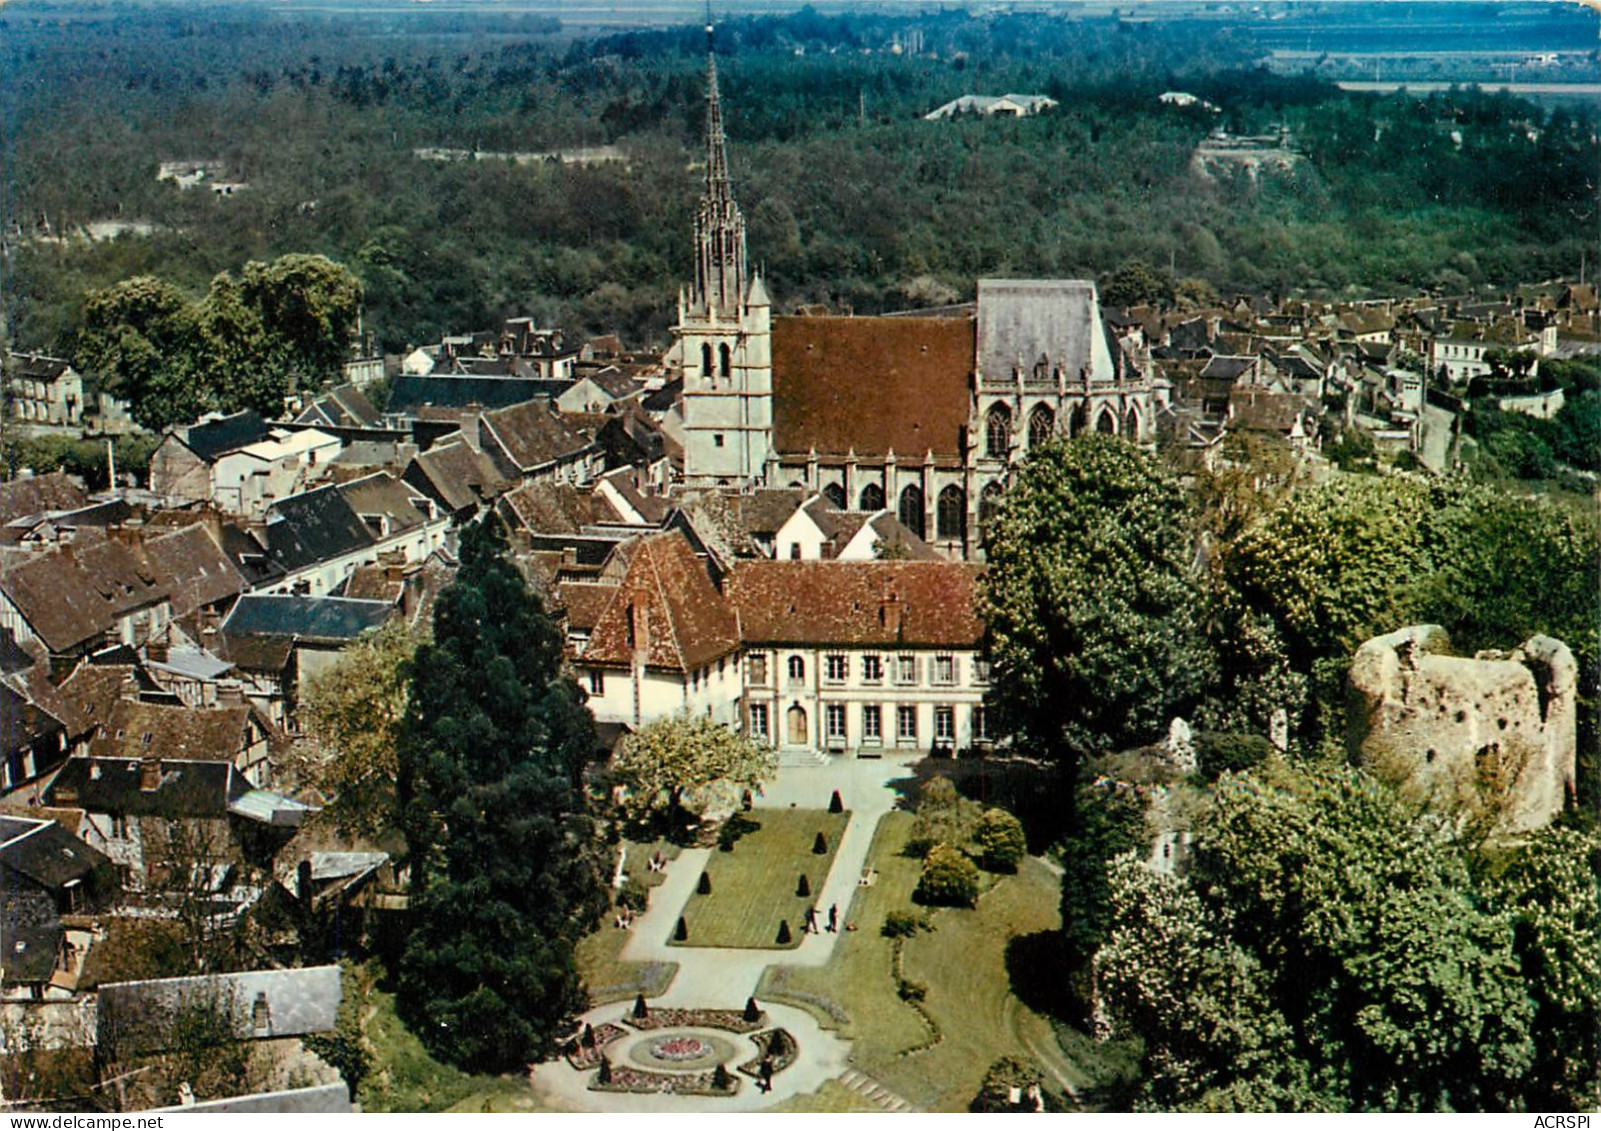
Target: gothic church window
[(725, 360), (951, 517), (911, 510), (706, 360), (989, 501), (835, 494), (1106, 422), (1131, 424), (1041, 426), (998, 432), (872, 497)]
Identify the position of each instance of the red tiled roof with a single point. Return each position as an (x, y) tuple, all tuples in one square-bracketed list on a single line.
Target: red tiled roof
[(680, 620), (584, 601), (871, 384), (879, 603)]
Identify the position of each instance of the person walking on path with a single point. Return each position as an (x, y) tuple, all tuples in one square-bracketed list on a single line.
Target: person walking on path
[(833, 918), (811, 921)]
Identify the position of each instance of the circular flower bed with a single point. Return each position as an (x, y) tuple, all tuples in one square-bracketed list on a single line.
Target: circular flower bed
[(677, 1049)]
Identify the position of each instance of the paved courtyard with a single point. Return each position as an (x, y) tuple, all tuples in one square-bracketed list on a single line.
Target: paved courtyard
[(723, 978)]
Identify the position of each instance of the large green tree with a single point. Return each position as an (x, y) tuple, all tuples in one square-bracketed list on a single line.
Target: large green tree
[(691, 763), (1090, 599), (139, 338), (1332, 949), (504, 865), (308, 306), (247, 343), (354, 711)]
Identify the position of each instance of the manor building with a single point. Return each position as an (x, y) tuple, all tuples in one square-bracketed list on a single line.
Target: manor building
[(924, 414)]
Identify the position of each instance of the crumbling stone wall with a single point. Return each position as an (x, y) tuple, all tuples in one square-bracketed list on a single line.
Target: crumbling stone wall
[(1489, 739)]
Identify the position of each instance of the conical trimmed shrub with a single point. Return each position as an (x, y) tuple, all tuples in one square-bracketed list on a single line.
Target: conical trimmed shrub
[(681, 932), (836, 804), (820, 845), (639, 1006), (704, 887), (804, 888), (783, 932)]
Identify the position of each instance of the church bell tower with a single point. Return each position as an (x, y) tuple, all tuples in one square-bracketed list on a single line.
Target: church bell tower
[(723, 339)]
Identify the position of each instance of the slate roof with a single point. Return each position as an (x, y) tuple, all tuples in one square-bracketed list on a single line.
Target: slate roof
[(192, 568), (38, 494), (248, 555), (300, 1002), (111, 785), (1226, 368), (663, 398), (22, 723), (216, 438), (1021, 321), (74, 593), (382, 495), (36, 366), (412, 392), (871, 385), (461, 476), (680, 620), (855, 603), (533, 435), (314, 526), (343, 406), (45, 852), (319, 619), (137, 729)]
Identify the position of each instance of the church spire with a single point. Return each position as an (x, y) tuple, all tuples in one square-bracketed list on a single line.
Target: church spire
[(719, 225)]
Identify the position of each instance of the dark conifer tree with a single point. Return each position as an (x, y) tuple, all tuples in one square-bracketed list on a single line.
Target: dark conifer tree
[(504, 866)]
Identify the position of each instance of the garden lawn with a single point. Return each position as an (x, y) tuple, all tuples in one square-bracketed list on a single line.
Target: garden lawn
[(753, 887), (857, 982), (607, 977), (961, 962)]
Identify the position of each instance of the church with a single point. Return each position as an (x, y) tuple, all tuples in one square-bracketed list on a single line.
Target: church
[(925, 414)]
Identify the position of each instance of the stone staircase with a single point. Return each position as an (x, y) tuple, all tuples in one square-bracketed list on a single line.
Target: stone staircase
[(874, 1092), (793, 757)]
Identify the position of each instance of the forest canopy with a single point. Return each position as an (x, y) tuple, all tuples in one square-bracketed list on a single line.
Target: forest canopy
[(852, 197)]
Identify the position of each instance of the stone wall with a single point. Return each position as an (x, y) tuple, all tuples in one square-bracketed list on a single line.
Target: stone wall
[(1487, 740)]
